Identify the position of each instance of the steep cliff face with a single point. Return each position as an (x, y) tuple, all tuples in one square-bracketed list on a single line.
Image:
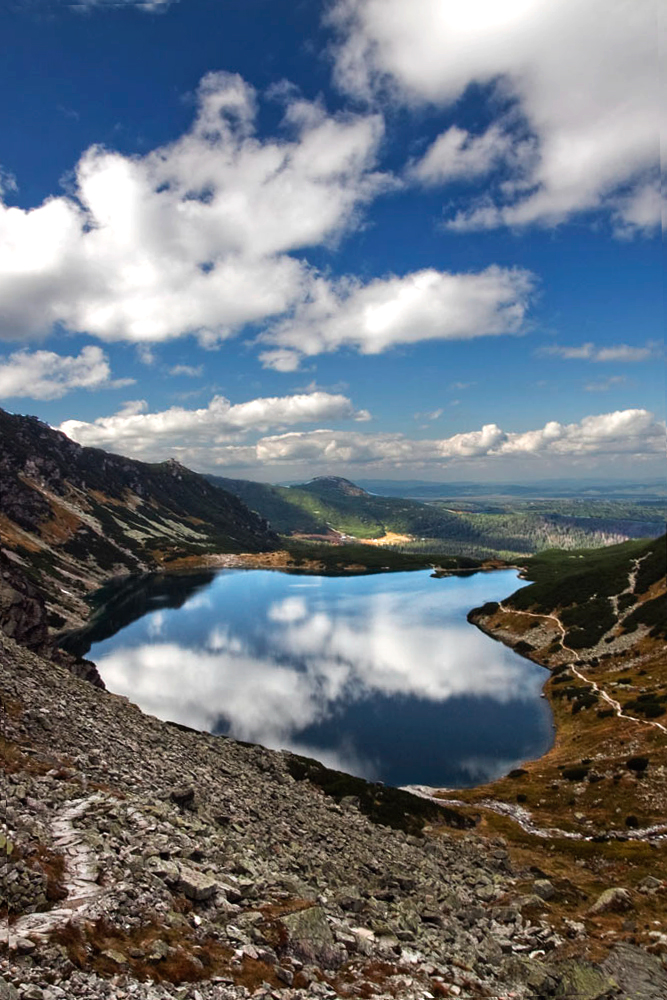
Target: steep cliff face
[(22, 610), (72, 517), (24, 619)]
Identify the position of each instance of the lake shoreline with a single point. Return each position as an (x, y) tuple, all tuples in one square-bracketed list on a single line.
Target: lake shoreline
[(96, 600), (579, 869), (574, 738), (516, 717)]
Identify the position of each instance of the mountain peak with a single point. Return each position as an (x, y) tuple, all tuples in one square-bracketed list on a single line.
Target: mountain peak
[(336, 484)]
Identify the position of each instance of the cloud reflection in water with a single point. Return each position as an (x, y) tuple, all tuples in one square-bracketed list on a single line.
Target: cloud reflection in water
[(296, 661)]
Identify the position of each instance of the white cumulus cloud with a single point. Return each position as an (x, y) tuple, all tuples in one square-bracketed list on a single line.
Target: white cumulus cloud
[(196, 236), (605, 384), (133, 431), (423, 305), (573, 87), (590, 352), (152, 6), (457, 154), (190, 371), (624, 432), (218, 437), (46, 375)]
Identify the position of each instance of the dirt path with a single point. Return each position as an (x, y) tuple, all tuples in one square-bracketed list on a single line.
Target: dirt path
[(80, 877), (517, 813), (524, 819), (616, 705)]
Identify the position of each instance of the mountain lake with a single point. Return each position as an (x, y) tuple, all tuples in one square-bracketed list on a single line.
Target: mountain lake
[(377, 675)]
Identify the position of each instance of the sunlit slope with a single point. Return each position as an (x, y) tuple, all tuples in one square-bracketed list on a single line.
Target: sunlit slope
[(332, 504), (595, 591)]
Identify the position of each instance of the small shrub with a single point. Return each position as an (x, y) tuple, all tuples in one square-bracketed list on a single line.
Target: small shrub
[(638, 764), (651, 705), (585, 700), (575, 773)]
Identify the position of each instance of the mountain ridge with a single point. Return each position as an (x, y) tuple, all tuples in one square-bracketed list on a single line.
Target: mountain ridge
[(73, 517)]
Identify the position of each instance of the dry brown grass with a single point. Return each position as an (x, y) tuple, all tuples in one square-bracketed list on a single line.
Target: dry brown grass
[(364, 979), (13, 537), (195, 957), (615, 795), (14, 759), (48, 862), (10, 707), (188, 958), (62, 525), (272, 911), (52, 863)]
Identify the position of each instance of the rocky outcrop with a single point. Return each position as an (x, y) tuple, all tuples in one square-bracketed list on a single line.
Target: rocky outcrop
[(24, 618), (22, 609)]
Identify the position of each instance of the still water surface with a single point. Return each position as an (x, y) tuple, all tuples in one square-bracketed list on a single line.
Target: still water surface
[(380, 675)]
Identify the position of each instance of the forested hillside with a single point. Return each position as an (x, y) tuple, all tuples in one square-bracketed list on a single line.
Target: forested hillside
[(330, 505)]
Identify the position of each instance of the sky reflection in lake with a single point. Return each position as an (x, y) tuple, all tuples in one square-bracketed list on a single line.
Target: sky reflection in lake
[(378, 675)]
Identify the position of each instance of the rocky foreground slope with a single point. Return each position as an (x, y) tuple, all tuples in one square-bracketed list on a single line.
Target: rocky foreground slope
[(150, 861)]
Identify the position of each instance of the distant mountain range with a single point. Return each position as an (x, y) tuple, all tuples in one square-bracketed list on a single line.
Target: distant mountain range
[(331, 504), (606, 489)]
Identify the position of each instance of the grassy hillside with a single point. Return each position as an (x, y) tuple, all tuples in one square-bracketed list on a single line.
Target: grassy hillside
[(331, 502), (593, 591), (339, 558), (287, 510)]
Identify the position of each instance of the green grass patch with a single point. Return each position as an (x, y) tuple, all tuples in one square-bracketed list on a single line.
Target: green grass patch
[(336, 558)]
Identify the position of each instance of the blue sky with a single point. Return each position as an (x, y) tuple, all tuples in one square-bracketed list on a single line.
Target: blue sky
[(277, 239)]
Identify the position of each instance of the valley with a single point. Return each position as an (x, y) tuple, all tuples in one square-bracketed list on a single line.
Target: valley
[(506, 526)]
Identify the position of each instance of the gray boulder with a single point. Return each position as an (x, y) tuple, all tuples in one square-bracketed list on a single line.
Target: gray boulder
[(7, 991), (637, 973), (614, 900), (197, 885), (309, 937)]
